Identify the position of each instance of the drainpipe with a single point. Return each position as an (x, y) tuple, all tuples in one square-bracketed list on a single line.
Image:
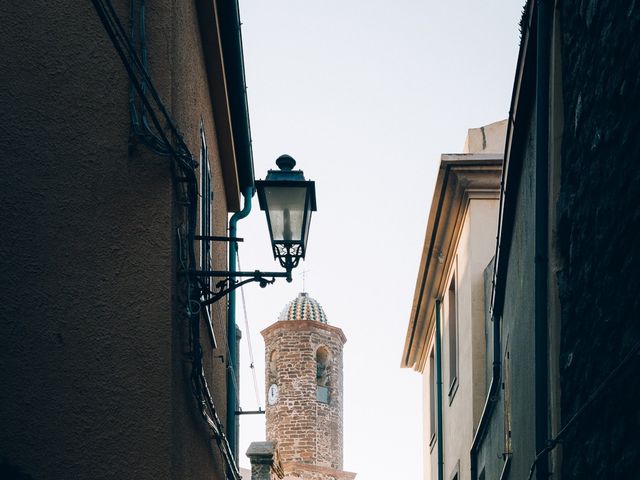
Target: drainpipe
[(541, 233), (232, 357), (439, 433)]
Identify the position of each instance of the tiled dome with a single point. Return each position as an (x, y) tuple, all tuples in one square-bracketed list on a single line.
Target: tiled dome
[(303, 307)]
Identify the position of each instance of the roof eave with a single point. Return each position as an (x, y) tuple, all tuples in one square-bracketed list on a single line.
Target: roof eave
[(458, 175), (224, 61)]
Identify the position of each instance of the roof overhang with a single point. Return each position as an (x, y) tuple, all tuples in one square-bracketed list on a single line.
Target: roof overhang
[(522, 104), (224, 60), (461, 177)]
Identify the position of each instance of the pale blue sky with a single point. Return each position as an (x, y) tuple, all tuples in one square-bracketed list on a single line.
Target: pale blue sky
[(365, 95)]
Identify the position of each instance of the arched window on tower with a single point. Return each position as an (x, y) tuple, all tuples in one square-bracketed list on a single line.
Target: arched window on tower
[(323, 370)]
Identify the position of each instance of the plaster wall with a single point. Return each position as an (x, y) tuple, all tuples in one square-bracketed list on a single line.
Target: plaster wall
[(429, 452), (457, 401), (462, 409), (483, 223), (94, 382), (517, 335), (486, 139)]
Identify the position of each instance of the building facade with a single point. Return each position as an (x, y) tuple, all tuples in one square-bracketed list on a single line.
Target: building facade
[(446, 337), (561, 406), (562, 336), (116, 169), (304, 385)]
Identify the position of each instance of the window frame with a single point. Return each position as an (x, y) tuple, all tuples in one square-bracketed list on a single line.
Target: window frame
[(433, 389), (206, 203), (323, 392), (453, 336)]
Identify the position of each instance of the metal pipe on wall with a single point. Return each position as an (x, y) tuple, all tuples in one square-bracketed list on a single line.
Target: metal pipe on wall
[(232, 360)]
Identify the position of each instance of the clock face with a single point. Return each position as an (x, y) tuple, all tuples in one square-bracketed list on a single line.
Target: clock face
[(272, 395)]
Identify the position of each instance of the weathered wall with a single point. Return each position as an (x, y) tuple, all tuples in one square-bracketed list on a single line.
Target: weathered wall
[(517, 326), (483, 214), (192, 453), (518, 321), (457, 406), (599, 235), (304, 429), (461, 411), (429, 449), (93, 373)]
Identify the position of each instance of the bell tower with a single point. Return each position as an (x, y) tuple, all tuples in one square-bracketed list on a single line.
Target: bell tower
[(304, 386)]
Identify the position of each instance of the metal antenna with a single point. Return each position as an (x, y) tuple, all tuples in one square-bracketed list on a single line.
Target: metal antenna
[(304, 280)]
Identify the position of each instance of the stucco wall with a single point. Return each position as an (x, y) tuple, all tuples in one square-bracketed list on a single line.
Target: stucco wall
[(483, 216), (457, 406), (599, 235), (461, 411), (93, 373), (517, 326)]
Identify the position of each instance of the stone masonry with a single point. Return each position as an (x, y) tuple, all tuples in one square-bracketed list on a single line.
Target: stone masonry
[(305, 426), (305, 429), (600, 237)]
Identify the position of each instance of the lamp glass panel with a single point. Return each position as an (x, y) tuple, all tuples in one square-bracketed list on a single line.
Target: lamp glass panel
[(306, 226), (285, 207)]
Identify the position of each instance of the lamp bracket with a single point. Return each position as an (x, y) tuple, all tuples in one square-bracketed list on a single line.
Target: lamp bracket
[(229, 282), (217, 238)]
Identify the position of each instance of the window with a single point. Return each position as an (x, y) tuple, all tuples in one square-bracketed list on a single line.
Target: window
[(206, 199), (432, 399), (322, 374), (452, 322)]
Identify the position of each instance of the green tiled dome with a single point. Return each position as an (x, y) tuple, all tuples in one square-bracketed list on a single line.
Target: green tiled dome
[(303, 307)]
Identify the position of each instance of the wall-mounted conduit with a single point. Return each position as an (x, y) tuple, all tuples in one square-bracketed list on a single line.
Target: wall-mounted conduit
[(183, 169)]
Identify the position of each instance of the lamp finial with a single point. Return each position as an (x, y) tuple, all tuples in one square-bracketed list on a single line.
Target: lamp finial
[(285, 162)]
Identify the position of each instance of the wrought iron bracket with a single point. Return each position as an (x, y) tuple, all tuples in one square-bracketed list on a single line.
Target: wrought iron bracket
[(250, 412), (229, 282)]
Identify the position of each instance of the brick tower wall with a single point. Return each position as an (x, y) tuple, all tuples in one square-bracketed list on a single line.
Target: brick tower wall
[(304, 429)]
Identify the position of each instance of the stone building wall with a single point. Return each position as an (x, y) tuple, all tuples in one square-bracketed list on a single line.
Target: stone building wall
[(600, 236), (304, 429)]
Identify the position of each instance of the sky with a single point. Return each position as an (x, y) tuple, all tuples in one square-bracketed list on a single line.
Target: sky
[(366, 96)]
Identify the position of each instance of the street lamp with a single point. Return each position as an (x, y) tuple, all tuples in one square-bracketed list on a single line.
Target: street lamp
[(288, 201)]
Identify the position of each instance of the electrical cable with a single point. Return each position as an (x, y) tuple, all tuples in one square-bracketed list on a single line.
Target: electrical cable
[(249, 343), (553, 443), (160, 143)]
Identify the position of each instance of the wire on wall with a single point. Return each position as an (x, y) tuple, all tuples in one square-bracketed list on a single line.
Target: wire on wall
[(169, 143), (249, 343), (631, 355)]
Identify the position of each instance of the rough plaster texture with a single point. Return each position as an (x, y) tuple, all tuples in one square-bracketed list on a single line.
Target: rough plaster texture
[(95, 378), (599, 235), (305, 430), (486, 139), (517, 326), (457, 406), (462, 410)]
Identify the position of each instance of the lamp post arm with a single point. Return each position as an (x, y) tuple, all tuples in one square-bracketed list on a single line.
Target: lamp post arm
[(228, 285)]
